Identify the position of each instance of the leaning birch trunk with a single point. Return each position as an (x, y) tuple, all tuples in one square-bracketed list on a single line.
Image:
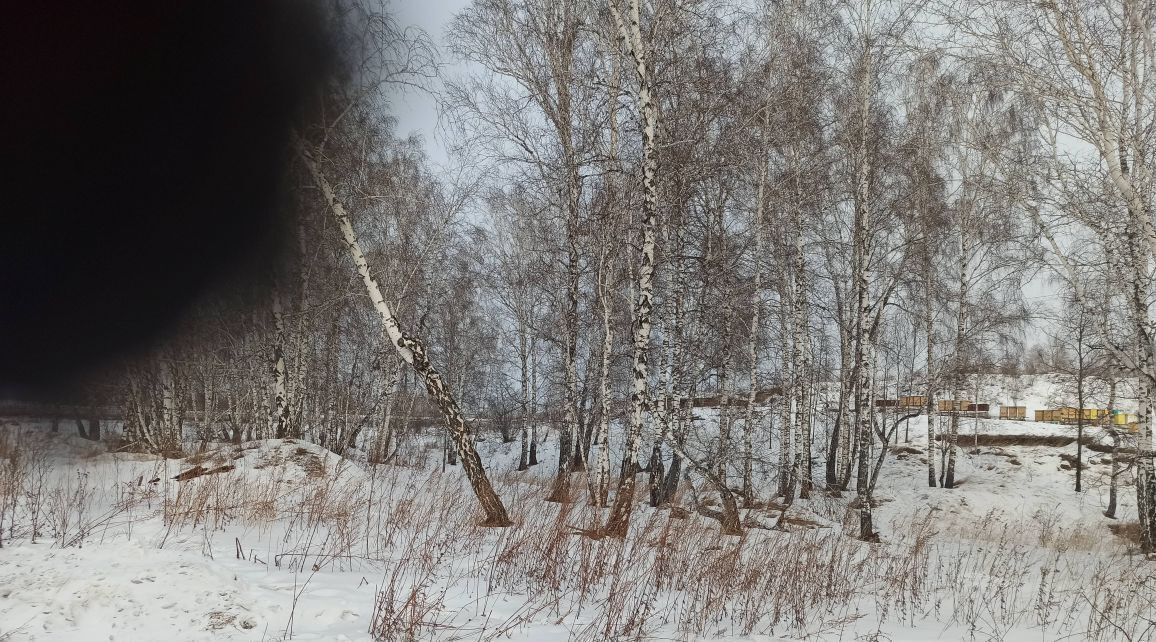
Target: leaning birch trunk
[(413, 351), (619, 521), (728, 517)]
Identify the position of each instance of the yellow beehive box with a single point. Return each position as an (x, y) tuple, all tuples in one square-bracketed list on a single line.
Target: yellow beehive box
[(954, 405), (1016, 413), (1126, 420), (1092, 414), (913, 401)]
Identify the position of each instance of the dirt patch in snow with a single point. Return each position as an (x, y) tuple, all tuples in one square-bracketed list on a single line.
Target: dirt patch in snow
[(1031, 441), (1127, 531), (308, 460)]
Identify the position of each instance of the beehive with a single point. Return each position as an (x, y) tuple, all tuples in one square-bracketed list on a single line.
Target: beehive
[(1013, 413), (913, 401), (957, 405)]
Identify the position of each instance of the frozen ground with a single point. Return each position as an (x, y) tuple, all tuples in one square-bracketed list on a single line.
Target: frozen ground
[(290, 542)]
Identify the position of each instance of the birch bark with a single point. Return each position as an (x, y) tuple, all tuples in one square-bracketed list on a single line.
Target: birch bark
[(631, 34), (413, 351)]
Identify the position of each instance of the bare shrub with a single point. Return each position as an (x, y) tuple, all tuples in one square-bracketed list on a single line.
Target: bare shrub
[(69, 506)]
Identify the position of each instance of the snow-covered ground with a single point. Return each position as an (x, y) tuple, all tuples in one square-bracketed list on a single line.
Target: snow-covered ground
[(287, 541)]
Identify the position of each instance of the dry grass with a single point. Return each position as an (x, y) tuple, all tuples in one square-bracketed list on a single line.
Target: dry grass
[(673, 576)]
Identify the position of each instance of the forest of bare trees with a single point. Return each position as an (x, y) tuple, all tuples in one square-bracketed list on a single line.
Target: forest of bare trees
[(793, 208)]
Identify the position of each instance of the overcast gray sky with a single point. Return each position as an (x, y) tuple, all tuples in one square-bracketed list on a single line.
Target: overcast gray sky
[(415, 111)]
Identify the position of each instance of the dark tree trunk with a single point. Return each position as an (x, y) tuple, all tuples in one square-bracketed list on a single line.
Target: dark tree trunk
[(93, 432), (833, 451), (657, 475), (670, 482)]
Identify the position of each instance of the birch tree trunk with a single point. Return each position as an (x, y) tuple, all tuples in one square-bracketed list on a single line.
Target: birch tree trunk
[(801, 369), (929, 328), (725, 376), (533, 401), (601, 487), (841, 436), (170, 416), (384, 446), (1110, 511), (1139, 295), (280, 415), (569, 450), (679, 400), (1099, 75), (1079, 405), (619, 521), (861, 259), (413, 351), (839, 450), (960, 347), (524, 363), (567, 436), (753, 339), (787, 445)]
